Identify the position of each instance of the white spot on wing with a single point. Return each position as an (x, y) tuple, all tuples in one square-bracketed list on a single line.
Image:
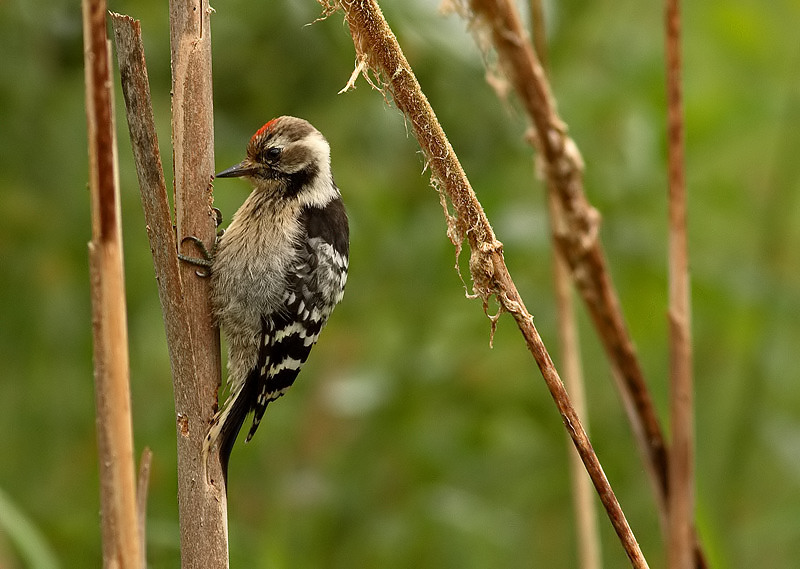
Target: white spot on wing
[(287, 363), (295, 328)]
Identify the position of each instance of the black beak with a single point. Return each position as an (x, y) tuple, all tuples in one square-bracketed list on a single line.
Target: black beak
[(241, 169)]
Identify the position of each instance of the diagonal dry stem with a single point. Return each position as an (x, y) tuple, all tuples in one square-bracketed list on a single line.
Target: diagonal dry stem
[(377, 45), (577, 236)]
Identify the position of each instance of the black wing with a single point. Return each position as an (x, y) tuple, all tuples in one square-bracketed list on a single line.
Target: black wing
[(314, 287)]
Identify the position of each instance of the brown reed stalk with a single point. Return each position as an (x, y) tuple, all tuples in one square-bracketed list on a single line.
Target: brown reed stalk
[(578, 238), (120, 530)]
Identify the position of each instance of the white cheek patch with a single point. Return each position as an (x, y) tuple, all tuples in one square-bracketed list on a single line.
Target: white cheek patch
[(320, 191)]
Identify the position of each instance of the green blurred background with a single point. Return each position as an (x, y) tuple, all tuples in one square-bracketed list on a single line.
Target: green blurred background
[(408, 441)]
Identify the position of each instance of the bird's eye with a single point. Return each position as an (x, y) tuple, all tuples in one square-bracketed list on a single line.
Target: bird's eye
[(273, 153)]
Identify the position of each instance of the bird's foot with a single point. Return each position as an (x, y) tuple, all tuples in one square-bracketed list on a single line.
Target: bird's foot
[(204, 263)]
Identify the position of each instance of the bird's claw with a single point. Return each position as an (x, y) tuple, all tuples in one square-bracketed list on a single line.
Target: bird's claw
[(204, 263), (217, 216)]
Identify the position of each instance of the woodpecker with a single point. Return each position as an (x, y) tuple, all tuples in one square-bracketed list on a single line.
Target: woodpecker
[(278, 270)]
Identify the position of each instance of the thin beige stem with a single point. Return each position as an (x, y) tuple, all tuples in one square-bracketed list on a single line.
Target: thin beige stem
[(121, 537), (585, 517), (142, 487), (681, 464), (588, 534), (377, 45)]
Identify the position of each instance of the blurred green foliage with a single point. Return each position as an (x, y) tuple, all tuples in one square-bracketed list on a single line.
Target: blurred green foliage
[(408, 441)]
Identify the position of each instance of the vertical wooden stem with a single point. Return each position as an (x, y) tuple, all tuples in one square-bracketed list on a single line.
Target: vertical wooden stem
[(121, 539), (195, 365), (585, 517), (204, 530)]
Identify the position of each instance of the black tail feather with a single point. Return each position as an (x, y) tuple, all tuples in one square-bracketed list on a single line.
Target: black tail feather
[(240, 407)]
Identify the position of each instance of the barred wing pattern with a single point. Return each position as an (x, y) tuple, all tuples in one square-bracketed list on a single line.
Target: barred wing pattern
[(313, 288)]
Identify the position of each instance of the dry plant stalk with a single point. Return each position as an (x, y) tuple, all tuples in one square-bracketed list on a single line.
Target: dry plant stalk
[(378, 50), (192, 342), (202, 521), (588, 533), (142, 489), (577, 230), (681, 464), (578, 225), (121, 537)]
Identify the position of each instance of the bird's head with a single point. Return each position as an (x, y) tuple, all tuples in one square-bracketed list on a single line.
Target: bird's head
[(287, 156)]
